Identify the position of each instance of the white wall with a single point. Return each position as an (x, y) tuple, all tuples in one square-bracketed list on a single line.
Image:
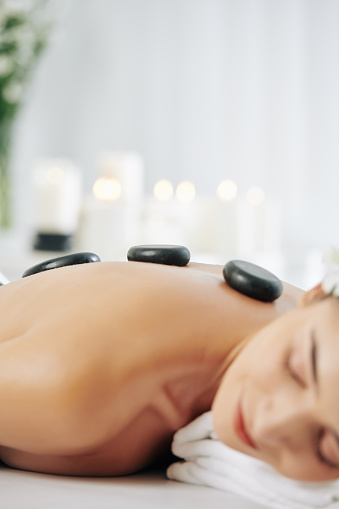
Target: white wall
[(205, 90)]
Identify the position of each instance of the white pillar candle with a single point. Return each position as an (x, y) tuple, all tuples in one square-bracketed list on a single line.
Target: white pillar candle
[(207, 228), (227, 226), (246, 229), (187, 209), (101, 228), (160, 216), (169, 219), (259, 224), (128, 169), (267, 226), (227, 218), (161, 223), (57, 186)]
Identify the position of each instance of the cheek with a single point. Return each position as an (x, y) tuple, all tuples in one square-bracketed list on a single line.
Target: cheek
[(263, 363), (256, 372), (266, 368)]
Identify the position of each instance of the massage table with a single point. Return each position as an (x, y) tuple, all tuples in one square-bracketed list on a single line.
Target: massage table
[(146, 490)]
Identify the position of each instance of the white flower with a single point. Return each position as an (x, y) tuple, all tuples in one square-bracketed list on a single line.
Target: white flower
[(6, 66), (331, 257), (330, 283), (13, 93)]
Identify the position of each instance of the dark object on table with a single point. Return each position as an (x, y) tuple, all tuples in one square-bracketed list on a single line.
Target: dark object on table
[(252, 280), (62, 261), (163, 254), (52, 242)]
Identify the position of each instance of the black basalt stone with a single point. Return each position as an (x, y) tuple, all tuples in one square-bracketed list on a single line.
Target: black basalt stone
[(163, 254), (62, 261), (252, 280)]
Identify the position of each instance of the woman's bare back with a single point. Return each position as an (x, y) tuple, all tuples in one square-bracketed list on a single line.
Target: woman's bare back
[(101, 363)]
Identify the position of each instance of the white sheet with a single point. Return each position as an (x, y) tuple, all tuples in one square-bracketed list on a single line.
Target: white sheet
[(147, 490)]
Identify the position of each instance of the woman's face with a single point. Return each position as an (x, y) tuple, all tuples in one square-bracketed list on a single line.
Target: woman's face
[(279, 399)]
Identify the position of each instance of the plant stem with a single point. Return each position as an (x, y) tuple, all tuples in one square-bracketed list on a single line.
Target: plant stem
[(5, 192)]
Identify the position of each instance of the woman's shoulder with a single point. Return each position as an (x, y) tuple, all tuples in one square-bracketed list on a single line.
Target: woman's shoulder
[(288, 300)]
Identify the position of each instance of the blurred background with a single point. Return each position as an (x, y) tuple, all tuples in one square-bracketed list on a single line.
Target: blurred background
[(209, 123)]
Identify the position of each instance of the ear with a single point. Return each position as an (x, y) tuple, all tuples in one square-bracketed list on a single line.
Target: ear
[(312, 295)]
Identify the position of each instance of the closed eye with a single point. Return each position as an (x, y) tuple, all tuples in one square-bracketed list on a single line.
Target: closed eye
[(292, 372), (316, 447), (294, 366)]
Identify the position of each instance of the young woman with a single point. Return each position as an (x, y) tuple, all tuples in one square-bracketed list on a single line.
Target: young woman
[(101, 363)]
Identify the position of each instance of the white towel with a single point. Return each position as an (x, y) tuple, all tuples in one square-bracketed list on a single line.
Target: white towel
[(3, 279), (211, 463)]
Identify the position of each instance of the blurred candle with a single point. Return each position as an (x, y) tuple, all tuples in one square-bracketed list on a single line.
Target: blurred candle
[(163, 190), (259, 223), (185, 192), (57, 186), (188, 214), (207, 227), (106, 189), (160, 224), (102, 221), (227, 218), (128, 169), (227, 190)]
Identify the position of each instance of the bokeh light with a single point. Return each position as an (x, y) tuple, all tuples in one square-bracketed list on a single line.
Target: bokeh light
[(55, 175), (107, 189), (185, 192), (227, 190), (163, 190), (255, 195)]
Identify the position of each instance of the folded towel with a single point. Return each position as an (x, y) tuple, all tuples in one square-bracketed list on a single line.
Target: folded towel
[(211, 463)]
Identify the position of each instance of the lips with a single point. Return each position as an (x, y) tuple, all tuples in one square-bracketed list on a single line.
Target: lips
[(240, 427)]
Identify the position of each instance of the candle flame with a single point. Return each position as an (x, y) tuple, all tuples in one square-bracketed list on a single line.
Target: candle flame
[(163, 190), (185, 192), (227, 190), (107, 189)]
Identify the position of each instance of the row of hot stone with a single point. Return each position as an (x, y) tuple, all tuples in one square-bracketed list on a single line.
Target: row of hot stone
[(244, 277)]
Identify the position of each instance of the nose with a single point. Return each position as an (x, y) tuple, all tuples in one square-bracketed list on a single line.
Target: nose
[(278, 421)]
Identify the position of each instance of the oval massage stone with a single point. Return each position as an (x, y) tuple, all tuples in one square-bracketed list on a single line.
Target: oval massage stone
[(163, 254), (252, 280), (62, 261)]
